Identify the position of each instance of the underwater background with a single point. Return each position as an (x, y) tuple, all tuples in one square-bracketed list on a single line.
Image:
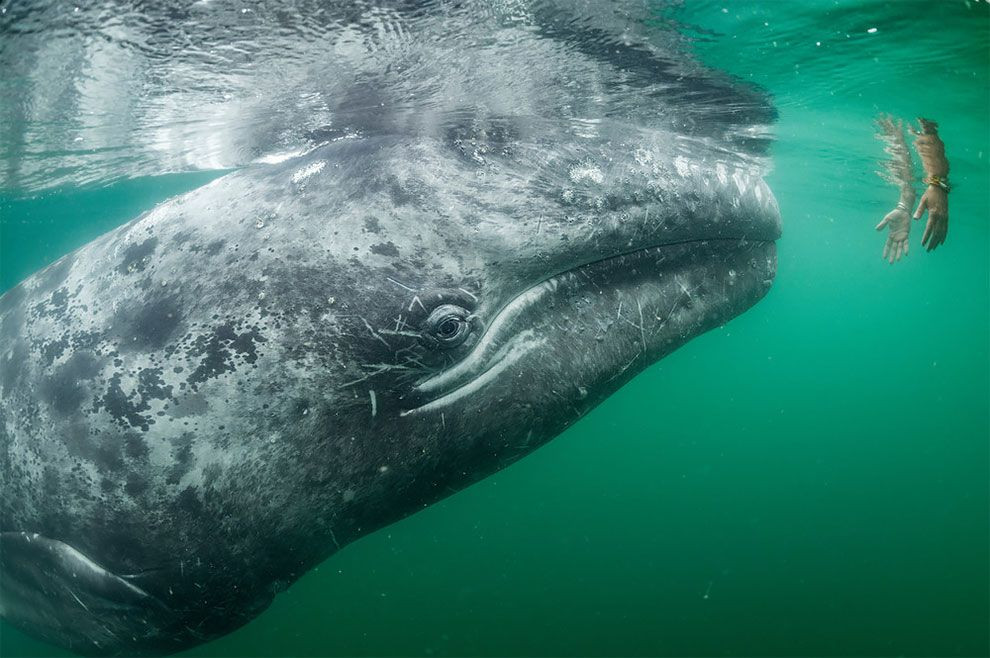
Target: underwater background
[(810, 479)]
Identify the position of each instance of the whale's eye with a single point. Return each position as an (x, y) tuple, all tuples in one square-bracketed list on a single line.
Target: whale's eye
[(448, 325)]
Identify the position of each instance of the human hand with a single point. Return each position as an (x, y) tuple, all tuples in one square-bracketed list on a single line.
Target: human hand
[(889, 126), (936, 201), (898, 224)]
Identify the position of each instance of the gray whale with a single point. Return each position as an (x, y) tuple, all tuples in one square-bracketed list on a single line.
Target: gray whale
[(201, 405)]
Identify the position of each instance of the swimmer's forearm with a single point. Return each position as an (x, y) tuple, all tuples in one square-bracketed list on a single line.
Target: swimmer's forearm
[(935, 163), (906, 202), (938, 167), (931, 150), (901, 162), (898, 169)]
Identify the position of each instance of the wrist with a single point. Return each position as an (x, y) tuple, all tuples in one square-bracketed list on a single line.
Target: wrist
[(907, 198), (941, 182)]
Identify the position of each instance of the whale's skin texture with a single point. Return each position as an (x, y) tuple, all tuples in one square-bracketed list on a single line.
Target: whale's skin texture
[(203, 404)]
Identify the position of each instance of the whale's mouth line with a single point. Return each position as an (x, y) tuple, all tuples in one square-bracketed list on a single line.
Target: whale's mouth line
[(495, 352)]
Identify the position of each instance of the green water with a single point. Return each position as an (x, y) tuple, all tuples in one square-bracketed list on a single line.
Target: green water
[(811, 479)]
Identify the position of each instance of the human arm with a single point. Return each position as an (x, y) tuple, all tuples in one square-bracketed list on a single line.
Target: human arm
[(935, 199), (897, 170)]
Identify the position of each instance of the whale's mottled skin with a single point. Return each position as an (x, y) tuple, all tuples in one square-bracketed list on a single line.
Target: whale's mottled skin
[(201, 405)]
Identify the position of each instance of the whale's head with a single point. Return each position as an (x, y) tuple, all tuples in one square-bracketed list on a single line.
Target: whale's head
[(492, 285)]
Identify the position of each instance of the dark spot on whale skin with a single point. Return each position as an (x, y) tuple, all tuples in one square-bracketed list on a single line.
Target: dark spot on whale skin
[(371, 225), (385, 249), (52, 349), (150, 326), (86, 340), (214, 247), (152, 386), (64, 390), (122, 408), (55, 306), (217, 350), (137, 256)]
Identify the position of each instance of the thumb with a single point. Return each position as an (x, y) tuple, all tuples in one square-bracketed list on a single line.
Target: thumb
[(883, 222), (921, 207)]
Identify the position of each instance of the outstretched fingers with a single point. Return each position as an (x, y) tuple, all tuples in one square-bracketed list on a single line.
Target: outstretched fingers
[(939, 229), (901, 250)]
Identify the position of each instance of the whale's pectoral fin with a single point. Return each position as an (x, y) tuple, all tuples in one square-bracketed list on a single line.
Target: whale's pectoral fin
[(53, 591)]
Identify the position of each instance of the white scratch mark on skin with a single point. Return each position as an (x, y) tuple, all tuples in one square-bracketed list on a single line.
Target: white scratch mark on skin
[(642, 331), (374, 402), (389, 332), (333, 537), (107, 629), (382, 367), (366, 377), (415, 300), (401, 285), (78, 600), (399, 322), (619, 313), (415, 360), (375, 333), (468, 293), (443, 420), (624, 368)]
